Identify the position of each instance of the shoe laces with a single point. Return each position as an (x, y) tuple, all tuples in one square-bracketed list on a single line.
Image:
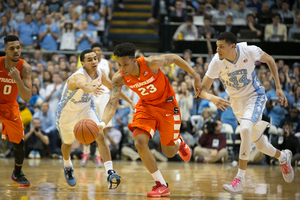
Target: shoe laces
[(69, 173), (98, 160), (158, 184), (285, 169), (182, 148), (21, 177), (235, 182), (84, 157)]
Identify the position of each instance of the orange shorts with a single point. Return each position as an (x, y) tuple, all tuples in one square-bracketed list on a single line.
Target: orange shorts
[(12, 125), (164, 117)]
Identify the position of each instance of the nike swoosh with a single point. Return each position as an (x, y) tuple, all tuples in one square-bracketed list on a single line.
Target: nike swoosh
[(168, 115), (129, 80), (162, 191), (16, 118)]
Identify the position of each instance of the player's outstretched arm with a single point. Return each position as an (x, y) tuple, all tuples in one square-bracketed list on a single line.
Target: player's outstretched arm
[(155, 62), (80, 81), (107, 82), (266, 58), (111, 106), (24, 84), (218, 101)]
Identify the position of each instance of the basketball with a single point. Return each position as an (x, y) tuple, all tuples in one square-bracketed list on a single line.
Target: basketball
[(86, 131)]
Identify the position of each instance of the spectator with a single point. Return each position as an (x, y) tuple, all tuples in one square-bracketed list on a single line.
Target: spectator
[(48, 34), (275, 28), (296, 101), (231, 5), (222, 13), (39, 20), (296, 7), (202, 12), (5, 30), (229, 27), (264, 13), (70, 9), (36, 141), (19, 15), (37, 55), (54, 6), (185, 102), (293, 117), (78, 8), (27, 32), (2, 9), (255, 4), (67, 36), (179, 14), (36, 100), (295, 29), (286, 13), (276, 6), (84, 38), (213, 144), (25, 113), (186, 31), (33, 6), (242, 12), (206, 29), (92, 16), (12, 6), (251, 25), (53, 92)]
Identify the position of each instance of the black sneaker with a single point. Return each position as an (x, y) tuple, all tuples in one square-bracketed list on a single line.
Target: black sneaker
[(69, 176), (21, 180), (113, 179)]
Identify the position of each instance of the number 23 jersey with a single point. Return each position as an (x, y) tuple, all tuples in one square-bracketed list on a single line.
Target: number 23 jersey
[(239, 77), (151, 88)]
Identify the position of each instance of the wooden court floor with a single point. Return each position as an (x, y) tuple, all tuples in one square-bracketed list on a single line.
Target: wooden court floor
[(186, 180)]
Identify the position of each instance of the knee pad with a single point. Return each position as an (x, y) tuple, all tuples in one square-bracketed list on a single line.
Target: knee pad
[(19, 152), (263, 145), (258, 129), (246, 127)]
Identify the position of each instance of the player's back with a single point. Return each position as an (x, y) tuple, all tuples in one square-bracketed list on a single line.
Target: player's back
[(77, 99), (151, 88), (8, 87)]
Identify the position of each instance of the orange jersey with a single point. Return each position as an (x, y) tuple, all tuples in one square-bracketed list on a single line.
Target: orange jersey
[(152, 88), (8, 87)]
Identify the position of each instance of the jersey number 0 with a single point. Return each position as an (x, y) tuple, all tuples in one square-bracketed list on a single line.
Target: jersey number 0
[(7, 89), (147, 90)]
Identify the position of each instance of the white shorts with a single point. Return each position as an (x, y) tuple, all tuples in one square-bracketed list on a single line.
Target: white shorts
[(100, 103), (249, 107), (66, 121)]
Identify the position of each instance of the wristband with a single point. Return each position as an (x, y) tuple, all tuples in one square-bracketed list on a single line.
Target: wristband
[(102, 124)]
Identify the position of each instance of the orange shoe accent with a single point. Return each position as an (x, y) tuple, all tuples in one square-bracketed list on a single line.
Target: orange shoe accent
[(159, 190), (184, 151)]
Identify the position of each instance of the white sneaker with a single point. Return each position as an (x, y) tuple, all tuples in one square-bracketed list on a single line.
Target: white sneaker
[(286, 167), (37, 155), (31, 154), (236, 186)]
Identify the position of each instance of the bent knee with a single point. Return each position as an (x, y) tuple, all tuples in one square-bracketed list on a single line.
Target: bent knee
[(140, 142)]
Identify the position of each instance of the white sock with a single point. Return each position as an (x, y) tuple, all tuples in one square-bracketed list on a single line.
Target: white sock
[(179, 141), (282, 157), (158, 177), (86, 149), (241, 172), (68, 163), (108, 166), (97, 153)]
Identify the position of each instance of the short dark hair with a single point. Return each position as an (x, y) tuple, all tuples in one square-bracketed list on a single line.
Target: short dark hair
[(96, 45), (190, 19), (28, 13), (10, 38), (82, 55), (125, 49), (229, 37)]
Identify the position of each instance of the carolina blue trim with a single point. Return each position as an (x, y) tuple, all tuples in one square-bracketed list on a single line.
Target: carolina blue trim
[(89, 75), (94, 108), (238, 52), (261, 99)]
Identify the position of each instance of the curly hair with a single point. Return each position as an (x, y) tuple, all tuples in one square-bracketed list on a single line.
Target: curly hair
[(125, 49)]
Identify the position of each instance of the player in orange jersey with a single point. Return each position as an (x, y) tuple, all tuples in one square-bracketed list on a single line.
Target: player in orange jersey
[(156, 109), (15, 78)]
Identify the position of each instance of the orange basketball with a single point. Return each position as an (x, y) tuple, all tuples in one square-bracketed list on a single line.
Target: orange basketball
[(86, 131)]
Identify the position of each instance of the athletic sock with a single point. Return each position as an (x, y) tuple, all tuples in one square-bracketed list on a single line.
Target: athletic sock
[(282, 157), (68, 163), (108, 166), (241, 172), (158, 177), (86, 149), (17, 171)]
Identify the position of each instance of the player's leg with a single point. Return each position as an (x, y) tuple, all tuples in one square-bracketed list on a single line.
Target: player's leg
[(263, 145), (85, 155), (141, 139), (98, 160)]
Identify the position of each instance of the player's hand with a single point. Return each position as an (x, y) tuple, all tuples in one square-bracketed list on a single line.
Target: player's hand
[(220, 102), (281, 97), (97, 90), (100, 128), (133, 105), (197, 87), (14, 73)]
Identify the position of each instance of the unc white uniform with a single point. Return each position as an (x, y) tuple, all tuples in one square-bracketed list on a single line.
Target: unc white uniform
[(239, 78), (102, 100), (74, 106)]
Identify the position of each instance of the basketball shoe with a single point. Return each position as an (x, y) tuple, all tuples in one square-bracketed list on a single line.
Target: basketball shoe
[(69, 176), (98, 162), (286, 167), (84, 159), (184, 151), (21, 180), (113, 179), (236, 186), (159, 190)]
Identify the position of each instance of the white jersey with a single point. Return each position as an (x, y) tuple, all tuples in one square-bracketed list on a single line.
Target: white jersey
[(76, 100), (239, 77), (103, 64)]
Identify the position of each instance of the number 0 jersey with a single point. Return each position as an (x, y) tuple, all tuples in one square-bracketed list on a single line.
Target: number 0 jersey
[(239, 77), (151, 88), (8, 87)]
